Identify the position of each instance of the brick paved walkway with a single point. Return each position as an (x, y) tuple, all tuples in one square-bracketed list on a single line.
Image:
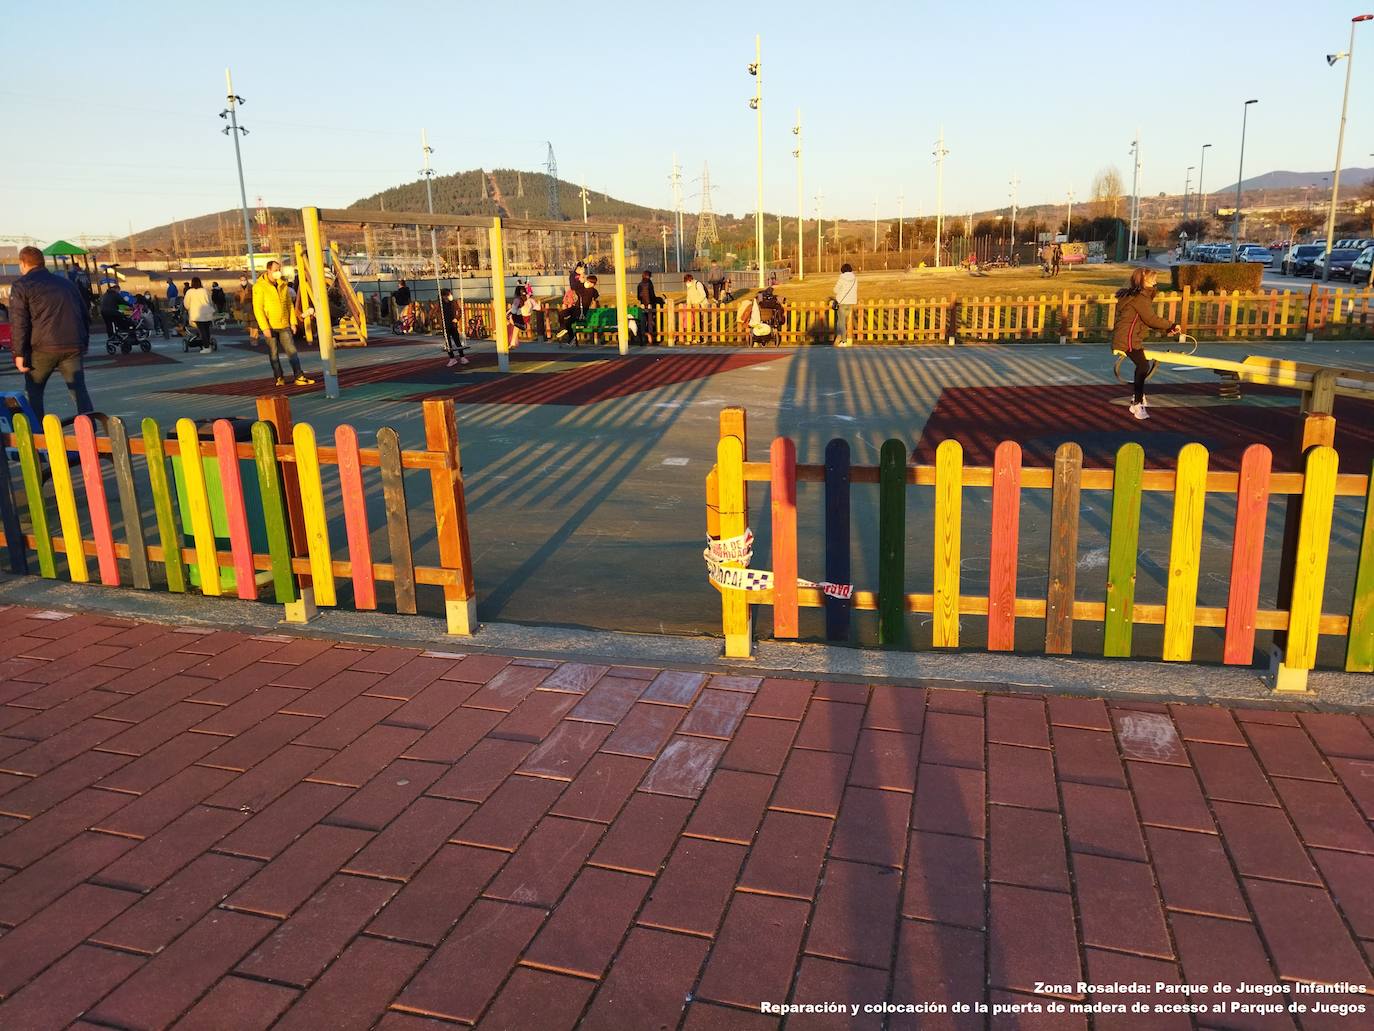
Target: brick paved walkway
[(214, 830)]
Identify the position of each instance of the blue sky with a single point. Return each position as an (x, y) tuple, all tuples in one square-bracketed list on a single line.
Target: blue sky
[(1048, 91)]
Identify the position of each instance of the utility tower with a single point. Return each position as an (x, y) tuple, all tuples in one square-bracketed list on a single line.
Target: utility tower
[(551, 167), (706, 221)]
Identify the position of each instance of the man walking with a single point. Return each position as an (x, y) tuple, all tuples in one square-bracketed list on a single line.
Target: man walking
[(51, 330), (1056, 256), (649, 303), (716, 279), (276, 317)]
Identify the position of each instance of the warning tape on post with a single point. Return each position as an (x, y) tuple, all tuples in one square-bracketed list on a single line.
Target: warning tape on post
[(738, 577)]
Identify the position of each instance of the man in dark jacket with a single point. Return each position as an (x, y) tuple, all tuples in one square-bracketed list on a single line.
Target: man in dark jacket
[(51, 328), (649, 303)]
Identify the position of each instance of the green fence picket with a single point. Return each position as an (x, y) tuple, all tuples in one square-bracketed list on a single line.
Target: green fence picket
[(892, 543), (274, 516), (1123, 550), (168, 532), (33, 496)]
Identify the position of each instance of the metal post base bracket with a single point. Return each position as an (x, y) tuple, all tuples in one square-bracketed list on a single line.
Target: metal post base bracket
[(1283, 679)]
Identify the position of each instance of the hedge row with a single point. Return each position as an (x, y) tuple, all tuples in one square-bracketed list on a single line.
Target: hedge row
[(1233, 275)]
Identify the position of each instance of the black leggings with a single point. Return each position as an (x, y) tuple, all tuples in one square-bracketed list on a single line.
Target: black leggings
[(1142, 369)]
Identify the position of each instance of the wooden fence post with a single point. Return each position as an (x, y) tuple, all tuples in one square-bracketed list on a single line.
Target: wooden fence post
[(276, 410), (451, 515)]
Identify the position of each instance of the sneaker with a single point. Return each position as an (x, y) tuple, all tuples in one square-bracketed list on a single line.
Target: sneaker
[(1144, 402), (1138, 410), (205, 350), (451, 362), (463, 361), (303, 380), (280, 381)]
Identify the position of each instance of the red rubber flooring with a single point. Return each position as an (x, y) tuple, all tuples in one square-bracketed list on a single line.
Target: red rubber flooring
[(214, 830), (1043, 417), (597, 378)]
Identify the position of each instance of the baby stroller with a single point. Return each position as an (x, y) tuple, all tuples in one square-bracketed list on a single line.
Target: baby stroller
[(128, 331)]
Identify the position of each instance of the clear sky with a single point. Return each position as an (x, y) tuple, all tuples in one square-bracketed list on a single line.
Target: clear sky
[(110, 114)]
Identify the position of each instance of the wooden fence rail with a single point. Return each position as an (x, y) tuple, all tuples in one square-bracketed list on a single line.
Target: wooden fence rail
[(1299, 614), (277, 502), (1065, 316)]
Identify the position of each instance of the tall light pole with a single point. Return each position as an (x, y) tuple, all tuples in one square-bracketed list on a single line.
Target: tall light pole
[(801, 211), (1240, 178), (820, 236), (586, 237), (1202, 167), (1331, 59), (940, 154), (676, 180), (233, 130), (428, 174), (875, 225), (1187, 184), (1015, 182), (901, 221), (756, 102), (1068, 222), (663, 231), (1135, 197)]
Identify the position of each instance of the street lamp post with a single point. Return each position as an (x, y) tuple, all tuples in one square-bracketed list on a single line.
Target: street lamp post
[(1331, 59), (1202, 167), (940, 154), (1187, 182), (801, 212), (1135, 197), (901, 221), (1240, 178), (1068, 222), (1015, 182), (756, 102), (233, 129)]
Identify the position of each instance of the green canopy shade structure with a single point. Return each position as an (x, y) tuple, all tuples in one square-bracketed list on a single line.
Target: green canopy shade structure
[(63, 249)]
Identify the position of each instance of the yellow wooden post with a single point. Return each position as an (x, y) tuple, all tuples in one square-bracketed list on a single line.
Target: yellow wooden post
[(304, 299), (498, 295), (319, 290), (1185, 309), (622, 291), (734, 423), (734, 603)]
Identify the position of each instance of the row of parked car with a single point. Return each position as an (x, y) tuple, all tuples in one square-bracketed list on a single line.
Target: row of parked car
[(1255, 252), (1350, 259)]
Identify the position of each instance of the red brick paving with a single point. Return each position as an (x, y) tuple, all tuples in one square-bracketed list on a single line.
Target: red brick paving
[(217, 830)]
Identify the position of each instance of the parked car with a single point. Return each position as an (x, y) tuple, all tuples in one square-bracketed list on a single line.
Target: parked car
[(1362, 271), (1298, 261), (1260, 255), (1341, 259)]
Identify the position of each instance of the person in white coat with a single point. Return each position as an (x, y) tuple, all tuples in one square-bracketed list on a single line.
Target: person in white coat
[(200, 311), (846, 295), (694, 298)]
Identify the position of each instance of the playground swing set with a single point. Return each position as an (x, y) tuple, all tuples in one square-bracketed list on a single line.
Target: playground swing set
[(352, 328)]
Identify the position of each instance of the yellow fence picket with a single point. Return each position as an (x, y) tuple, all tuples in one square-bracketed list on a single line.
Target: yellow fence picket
[(1309, 572), (949, 464), (1185, 552)]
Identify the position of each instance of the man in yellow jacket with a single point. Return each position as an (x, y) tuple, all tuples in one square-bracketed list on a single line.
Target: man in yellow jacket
[(276, 317)]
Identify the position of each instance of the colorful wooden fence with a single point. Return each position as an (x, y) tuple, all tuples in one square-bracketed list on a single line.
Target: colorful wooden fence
[(1271, 314), (1313, 491), (281, 496)]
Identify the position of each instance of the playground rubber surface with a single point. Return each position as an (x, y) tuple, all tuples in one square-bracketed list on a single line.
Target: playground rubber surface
[(585, 473), (980, 418), (207, 828)]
